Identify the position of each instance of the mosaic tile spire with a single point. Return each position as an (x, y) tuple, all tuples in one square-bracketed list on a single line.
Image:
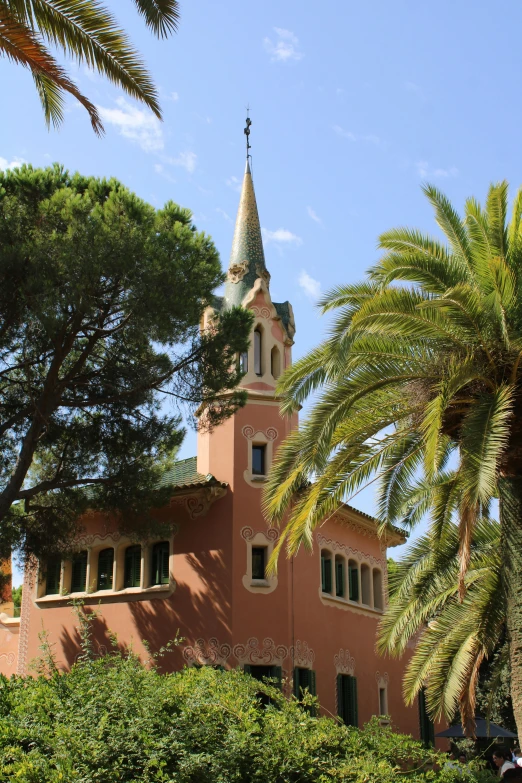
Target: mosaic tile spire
[(247, 259)]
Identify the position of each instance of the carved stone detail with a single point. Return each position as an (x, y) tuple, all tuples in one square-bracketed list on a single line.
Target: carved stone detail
[(261, 312), (249, 533), (302, 654), (344, 663), (197, 504), (31, 570), (249, 432), (210, 653), (265, 654), (9, 658), (349, 551), (264, 274), (382, 679), (236, 272)]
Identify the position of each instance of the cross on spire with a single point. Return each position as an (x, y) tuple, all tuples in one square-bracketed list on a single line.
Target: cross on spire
[(247, 132)]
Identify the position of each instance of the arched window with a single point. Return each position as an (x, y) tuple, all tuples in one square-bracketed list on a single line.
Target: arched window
[(275, 361), (377, 589), (326, 572), (160, 563), (340, 590), (79, 572), (366, 588), (105, 569), (132, 576), (53, 572), (258, 344), (353, 580)]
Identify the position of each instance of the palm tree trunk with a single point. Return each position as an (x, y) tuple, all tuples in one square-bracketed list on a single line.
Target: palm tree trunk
[(510, 494)]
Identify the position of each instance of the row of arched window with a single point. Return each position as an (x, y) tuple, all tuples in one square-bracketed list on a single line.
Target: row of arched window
[(105, 569), (347, 579), (259, 369)]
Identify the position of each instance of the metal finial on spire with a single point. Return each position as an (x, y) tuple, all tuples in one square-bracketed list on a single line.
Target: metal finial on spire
[(247, 131)]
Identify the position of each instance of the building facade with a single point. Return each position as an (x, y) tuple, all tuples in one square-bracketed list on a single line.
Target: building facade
[(313, 625)]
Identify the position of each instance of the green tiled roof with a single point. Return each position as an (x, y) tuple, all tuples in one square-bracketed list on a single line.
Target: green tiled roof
[(184, 474)]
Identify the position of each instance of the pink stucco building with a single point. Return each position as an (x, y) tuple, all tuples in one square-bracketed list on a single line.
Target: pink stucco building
[(313, 625)]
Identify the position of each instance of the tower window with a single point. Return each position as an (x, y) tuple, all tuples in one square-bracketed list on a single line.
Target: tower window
[(258, 369), (79, 572), (275, 360), (105, 569), (243, 362), (383, 706), (258, 562), (160, 563), (258, 460), (132, 573)]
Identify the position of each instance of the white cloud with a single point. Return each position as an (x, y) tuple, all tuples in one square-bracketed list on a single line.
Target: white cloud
[(310, 286), (424, 170), (345, 134), (173, 96), (224, 214), (8, 165), (138, 125), (186, 160), (281, 236), (234, 183), (315, 217), (284, 48)]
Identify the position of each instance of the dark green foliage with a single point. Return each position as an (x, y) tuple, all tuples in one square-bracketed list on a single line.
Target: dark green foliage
[(101, 299), (111, 719)]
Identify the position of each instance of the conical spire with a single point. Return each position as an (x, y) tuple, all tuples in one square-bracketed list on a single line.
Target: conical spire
[(247, 259)]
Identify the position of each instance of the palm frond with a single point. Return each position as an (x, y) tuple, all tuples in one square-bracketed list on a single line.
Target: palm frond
[(162, 16)]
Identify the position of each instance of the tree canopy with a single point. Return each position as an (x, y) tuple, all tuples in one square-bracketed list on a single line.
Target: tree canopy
[(101, 298), (88, 34), (420, 385)]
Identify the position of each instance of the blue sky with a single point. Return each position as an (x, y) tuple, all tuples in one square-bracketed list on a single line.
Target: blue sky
[(353, 104)]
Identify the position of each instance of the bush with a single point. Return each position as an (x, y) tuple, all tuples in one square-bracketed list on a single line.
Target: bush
[(113, 718)]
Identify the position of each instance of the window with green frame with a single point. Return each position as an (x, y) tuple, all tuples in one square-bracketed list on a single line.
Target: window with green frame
[(339, 578), (79, 572), (347, 699), (160, 563), (132, 570), (326, 572), (53, 572), (353, 581), (304, 679), (427, 730), (105, 569)]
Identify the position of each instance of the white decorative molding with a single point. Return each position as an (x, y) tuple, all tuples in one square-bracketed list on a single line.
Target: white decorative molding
[(266, 654), (263, 538), (89, 540), (344, 663), (302, 655), (250, 433), (350, 552), (9, 658), (382, 679), (30, 573), (261, 312), (248, 533), (264, 274), (210, 653), (258, 438), (196, 504)]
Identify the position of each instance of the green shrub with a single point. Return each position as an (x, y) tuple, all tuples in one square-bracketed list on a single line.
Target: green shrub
[(114, 719)]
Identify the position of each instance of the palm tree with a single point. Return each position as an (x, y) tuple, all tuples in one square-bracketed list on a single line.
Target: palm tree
[(452, 638), (87, 33), (421, 371)]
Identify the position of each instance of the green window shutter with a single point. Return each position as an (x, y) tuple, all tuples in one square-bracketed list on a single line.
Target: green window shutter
[(277, 674), (105, 569), (326, 574), (52, 576), (79, 572), (353, 578), (427, 729), (312, 682), (340, 697), (132, 575), (297, 683), (247, 668), (160, 563), (355, 708), (339, 579)]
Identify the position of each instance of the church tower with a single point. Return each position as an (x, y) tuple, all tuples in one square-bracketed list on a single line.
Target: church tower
[(240, 451)]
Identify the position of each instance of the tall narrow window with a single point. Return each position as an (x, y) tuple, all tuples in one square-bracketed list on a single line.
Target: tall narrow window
[(160, 563), (347, 699), (427, 731), (378, 601), (243, 362), (383, 702), (52, 576), (258, 340), (258, 562), (304, 679), (366, 589), (105, 569), (258, 460), (326, 572), (339, 577), (132, 571), (275, 361), (79, 572), (353, 580)]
